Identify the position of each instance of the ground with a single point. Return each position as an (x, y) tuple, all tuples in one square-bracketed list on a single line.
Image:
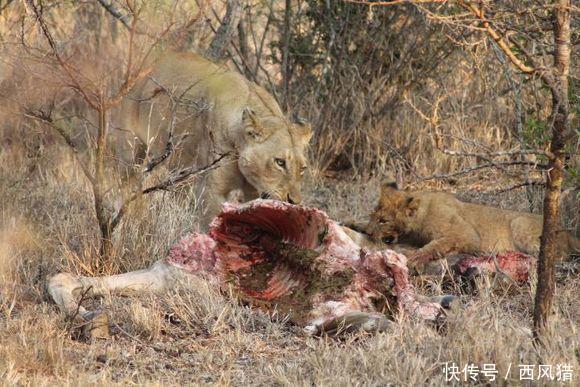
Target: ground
[(194, 335)]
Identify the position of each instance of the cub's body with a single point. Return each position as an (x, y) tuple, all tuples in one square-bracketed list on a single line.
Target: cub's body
[(444, 225)]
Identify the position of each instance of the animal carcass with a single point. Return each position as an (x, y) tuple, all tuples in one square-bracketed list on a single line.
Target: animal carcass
[(279, 257)]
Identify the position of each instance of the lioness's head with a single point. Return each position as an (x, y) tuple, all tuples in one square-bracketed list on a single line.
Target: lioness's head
[(391, 216), (273, 158)]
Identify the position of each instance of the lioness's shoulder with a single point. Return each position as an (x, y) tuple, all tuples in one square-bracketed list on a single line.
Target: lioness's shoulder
[(186, 61)]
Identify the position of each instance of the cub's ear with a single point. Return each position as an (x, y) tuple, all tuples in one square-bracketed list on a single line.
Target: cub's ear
[(253, 128), (389, 182), (301, 129), (388, 187), (411, 205)]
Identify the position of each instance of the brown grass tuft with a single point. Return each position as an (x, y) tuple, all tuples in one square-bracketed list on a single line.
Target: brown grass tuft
[(196, 335)]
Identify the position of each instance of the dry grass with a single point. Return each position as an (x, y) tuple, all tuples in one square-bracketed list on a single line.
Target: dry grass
[(194, 335)]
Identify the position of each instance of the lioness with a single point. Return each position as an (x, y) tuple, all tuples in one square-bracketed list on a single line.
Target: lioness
[(443, 225), (214, 110)]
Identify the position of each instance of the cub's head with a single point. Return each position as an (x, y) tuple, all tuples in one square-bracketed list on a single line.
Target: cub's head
[(392, 215), (273, 157)]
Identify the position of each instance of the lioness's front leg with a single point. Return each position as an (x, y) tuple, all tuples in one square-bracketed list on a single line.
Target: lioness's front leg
[(212, 204), (217, 188)]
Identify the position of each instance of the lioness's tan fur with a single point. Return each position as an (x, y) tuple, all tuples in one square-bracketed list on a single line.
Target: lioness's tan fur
[(444, 225), (216, 111)]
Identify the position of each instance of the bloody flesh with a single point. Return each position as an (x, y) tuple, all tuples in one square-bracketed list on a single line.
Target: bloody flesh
[(295, 260), (514, 264)]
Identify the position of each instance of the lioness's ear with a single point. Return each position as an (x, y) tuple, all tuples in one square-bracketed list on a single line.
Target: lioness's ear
[(301, 129), (253, 129)]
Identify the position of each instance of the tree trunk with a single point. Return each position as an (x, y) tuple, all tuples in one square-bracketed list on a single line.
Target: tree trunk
[(99, 191), (285, 53), (218, 48), (244, 49), (560, 108)]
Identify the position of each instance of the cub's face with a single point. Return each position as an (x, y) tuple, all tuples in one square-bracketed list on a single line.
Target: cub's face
[(273, 158), (392, 214)]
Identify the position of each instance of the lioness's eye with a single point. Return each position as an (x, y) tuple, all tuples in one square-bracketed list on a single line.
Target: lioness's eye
[(383, 221), (303, 169), (280, 162)]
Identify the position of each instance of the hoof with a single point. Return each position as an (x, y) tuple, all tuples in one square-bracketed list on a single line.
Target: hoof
[(472, 273), (433, 268), (447, 302), (378, 324), (354, 321), (310, 330), (96, 326)]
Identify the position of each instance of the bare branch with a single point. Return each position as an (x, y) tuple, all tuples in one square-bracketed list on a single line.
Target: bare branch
[(493, 154), (395, 2), (173, 180), (468, 170), (488, 156), (4, 6), (175, 102), (109, 7), (263, 39), (498, 39), (529, 183), (185, 174), (69, 70), (47, 120)]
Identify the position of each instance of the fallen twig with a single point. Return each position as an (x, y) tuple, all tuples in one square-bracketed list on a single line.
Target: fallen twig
[(468, 170)]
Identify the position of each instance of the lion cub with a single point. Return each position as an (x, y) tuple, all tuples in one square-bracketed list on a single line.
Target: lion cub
[(443, 225)]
